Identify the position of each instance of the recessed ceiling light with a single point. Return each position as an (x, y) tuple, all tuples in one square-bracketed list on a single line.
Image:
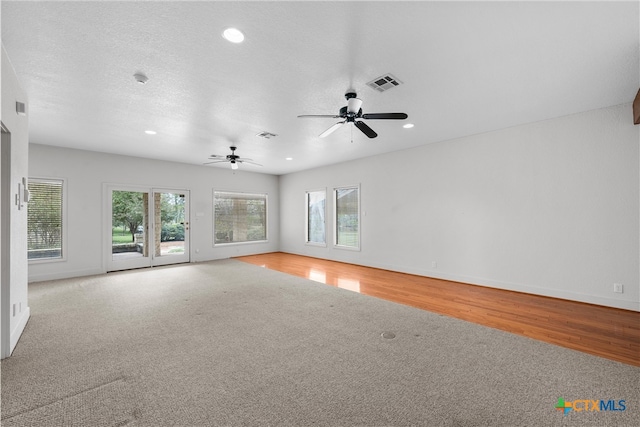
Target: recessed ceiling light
[(150, 132), (289, 158), (233, 35), (408, 126)]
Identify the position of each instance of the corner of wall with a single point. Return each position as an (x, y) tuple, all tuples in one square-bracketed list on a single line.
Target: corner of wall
[(15, 268)]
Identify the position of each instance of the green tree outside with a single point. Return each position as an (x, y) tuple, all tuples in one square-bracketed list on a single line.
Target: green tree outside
[(128, 210)]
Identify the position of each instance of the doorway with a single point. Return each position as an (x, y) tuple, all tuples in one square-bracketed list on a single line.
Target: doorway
[(146, 227)]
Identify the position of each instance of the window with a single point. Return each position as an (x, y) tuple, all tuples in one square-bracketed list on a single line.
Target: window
[(239, 217), (315, 213), (45, 219), (347, 217)]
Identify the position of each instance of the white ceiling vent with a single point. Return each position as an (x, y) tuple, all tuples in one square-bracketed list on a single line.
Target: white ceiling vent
[(266, 135), (384, 82)]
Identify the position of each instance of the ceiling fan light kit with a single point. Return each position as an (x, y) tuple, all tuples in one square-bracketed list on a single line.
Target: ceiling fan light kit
[(351, 113)]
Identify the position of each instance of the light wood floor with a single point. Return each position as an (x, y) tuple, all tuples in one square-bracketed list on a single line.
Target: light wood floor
[(602, 331)]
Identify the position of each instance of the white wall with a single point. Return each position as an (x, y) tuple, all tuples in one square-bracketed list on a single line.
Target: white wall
[(85, 173), (14, 261), (550, 208)]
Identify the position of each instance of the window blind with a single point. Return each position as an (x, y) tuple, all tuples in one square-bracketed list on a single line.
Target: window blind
[(44, 219), (239, 217), (315, 216), (347, 217)]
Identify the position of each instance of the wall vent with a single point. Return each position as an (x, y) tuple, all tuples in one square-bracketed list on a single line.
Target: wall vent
[(266, 135), (384, 82), (21, 108)]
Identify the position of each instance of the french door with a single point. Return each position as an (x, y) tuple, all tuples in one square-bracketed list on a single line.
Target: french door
[(146, 227)]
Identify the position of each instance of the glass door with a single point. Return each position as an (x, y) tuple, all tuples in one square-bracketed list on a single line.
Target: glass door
[(128, 231), (171, 231), (146, 227)]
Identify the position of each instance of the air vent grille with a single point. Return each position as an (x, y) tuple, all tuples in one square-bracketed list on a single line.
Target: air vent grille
[(384, 82), (21, 108), (266, 135)]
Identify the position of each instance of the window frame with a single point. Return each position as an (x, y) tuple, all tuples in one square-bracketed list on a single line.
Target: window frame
[(244, 242), (306, 218), (335, 218), (64, 215)]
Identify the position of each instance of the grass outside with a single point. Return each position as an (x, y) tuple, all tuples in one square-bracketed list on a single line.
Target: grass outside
[(120, 236)]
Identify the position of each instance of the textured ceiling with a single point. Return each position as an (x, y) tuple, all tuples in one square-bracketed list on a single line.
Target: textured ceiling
[(466, 68)]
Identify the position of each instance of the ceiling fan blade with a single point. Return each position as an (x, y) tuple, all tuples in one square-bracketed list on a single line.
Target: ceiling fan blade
[(326, 116), (215, 161), (217, 156), (392, 116), (365, 129), (332, 129), (248, 162), (354, 105)]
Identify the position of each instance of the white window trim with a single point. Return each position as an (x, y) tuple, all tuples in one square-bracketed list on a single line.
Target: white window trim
[(335, 219), (63, 252), (213, 222), (306, 218)]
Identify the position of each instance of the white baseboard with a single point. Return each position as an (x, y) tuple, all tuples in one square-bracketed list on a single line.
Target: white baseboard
[(64, 275), (17, 331), (535, 290)]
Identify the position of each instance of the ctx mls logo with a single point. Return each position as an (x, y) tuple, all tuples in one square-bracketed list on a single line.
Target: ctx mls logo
[(589, 405)]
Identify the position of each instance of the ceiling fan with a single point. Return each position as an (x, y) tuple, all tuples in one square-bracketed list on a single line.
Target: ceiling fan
[(352, 112), (231, 158)]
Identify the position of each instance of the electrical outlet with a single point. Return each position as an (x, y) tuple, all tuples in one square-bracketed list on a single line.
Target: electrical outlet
[(434, 265), (617, 288)]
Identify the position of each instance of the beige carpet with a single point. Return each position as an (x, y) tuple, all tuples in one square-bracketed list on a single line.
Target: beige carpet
[(228, 343)]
